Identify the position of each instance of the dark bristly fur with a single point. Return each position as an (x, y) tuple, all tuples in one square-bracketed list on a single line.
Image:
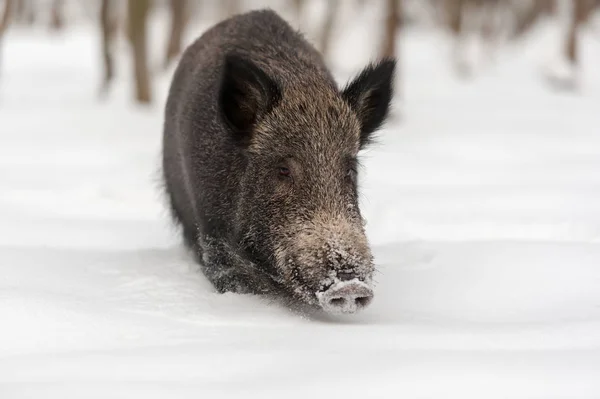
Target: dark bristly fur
[(259, 158)]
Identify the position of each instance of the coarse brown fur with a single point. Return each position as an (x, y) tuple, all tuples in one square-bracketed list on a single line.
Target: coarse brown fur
[(259, 158)]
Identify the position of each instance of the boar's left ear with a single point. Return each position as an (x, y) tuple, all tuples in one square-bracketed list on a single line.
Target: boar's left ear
[(246, 94), (369, 95)]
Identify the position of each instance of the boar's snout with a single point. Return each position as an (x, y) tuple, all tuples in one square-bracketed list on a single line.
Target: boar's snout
[(346, 297)]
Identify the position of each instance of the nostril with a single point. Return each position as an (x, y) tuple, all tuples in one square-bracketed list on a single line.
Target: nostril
[(362, 301), (345, 276), (346, 297), (337, 302)]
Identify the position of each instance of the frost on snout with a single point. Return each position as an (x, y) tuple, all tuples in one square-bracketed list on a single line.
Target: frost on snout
[(328, 263), (346, 297)]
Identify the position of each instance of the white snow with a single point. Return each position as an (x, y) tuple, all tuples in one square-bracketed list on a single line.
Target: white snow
[(482, 200)]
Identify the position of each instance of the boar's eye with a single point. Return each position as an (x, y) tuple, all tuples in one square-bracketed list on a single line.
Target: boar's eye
[(284, 172), (284, 169)]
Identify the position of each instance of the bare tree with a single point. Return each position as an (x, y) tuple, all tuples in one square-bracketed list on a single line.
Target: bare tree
[(20, 10), (228, 8), (25, 11), (454, 15), (581, 9), (178, 23), (108, 29), (525, 19), (298, 8), (57, 19), (5, 20), (332, 8), (137, 15), (6, 14), (490, 10), (392, 24)]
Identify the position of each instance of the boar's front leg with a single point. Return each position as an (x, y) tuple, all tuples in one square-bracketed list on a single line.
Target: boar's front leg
[(230, 272), (219, 267)]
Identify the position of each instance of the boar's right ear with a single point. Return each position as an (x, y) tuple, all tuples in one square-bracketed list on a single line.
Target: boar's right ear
[(369, 95), (247, 93)]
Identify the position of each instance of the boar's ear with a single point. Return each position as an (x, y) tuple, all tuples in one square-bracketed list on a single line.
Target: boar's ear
[(247, 93), (369, 95)]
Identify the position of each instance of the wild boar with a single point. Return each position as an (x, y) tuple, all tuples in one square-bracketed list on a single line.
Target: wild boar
[(260, 163)]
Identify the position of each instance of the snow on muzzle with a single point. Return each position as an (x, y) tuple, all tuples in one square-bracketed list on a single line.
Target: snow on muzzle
[(346, 297)]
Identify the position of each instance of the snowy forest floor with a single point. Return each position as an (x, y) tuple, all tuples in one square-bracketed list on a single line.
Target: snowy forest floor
[(482, 201)]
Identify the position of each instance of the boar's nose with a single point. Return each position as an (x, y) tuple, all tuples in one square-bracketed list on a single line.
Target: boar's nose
[(346, 297)]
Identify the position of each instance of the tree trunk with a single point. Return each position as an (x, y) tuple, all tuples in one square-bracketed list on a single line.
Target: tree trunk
[(108, 30), (298, 8), (25, 12), (454, 15), (57, 20), (332, 7), (6, 14), (525, 20), (392, 23), (228, 8), (4, 21), (20, 10), (490, 12), (178, 22), (137, 13), (580, 12), (455, 19)]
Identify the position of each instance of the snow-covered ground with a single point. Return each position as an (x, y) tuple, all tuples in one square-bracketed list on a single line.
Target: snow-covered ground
[(483, 207)]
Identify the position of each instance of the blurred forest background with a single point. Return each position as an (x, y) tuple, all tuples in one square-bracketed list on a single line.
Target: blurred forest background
[(491, 23)]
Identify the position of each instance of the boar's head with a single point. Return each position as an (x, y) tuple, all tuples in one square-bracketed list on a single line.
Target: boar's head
[(297, 216)]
